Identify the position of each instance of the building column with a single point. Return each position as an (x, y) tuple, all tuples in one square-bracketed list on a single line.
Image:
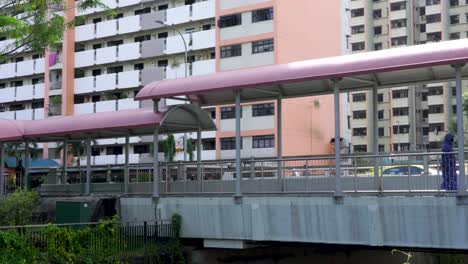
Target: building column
[(156, 164), (2, 169), (460, 135), (336, 91), (26, 165), (127, 161), (88, 167), (65, 161), (238, 194), (279, 134)]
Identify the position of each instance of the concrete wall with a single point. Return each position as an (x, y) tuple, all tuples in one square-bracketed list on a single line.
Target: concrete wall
[(422, 222)]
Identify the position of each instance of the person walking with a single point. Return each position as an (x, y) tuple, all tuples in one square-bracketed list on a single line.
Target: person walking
[(449, 171)]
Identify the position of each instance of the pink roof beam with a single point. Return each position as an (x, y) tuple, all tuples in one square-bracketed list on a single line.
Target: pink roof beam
[(386, 68), (138, 122)]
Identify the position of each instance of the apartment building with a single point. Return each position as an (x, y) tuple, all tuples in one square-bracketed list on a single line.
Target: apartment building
[(414, 117), (105, 60)]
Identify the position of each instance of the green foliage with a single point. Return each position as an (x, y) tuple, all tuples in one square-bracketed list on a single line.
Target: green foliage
[(32, 27), (190, 149), (407, 254), (75, 148), (18, 208), (168, 146), (17, 150)]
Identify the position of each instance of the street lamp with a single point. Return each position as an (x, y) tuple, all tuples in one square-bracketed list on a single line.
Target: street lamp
[(186, 69), (398, 132)]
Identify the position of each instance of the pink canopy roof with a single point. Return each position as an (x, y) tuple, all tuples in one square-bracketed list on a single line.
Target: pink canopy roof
[(182, 118), (386, 68)]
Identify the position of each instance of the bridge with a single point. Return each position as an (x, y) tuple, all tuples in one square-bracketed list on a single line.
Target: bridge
[(374, 199)]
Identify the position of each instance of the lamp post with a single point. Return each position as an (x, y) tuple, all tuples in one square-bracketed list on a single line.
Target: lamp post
[(186, 69)]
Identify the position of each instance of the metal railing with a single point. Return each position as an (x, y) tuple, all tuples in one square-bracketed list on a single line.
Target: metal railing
[(384, 173)]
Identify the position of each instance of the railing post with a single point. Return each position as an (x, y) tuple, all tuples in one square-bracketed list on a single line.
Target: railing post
[(238, 195), (156, 162), (252, 167), (338, 188), (279, 134)]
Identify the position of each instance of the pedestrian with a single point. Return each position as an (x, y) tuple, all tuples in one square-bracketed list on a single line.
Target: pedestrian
[(449, 171)]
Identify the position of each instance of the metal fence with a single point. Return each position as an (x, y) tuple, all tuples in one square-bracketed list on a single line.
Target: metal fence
[(383, 173), (129, 237)]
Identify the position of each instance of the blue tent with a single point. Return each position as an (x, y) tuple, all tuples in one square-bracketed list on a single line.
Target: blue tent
[(40, 163)]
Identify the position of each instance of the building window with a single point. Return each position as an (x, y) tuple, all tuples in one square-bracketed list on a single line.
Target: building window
[(422, 28), (359, 131), (231, 51), (360, 148), (381, 148), (378, 46), (262, 15), (163, 63), (378, 30), (359, 97), (435, 18), (432, 2), (425, 131), (114, 150), (377, 13), (141, 149), (263, 46), (263, 141), (357, 12), (163, 7), (359, 114), (209, 144), (162, 35), (37, 104), (455, 35), (436, 127), (453, 2), (438, 90), (400, 111), (229, 112), (380, 98), (263, 109), (434, 37), (229, 143), (402, 129), (357, 29), (358, 46), (114, 43), (142, 38), (455, 19), (398, 6), (380, 114), (230, 21), (399, 23), (454, 91), (142, 11), (97, 20), (454, 109), (139, 66), (96, 72), (436, 109), (115, 69), (401, 146), (399, 94), (381, 131)]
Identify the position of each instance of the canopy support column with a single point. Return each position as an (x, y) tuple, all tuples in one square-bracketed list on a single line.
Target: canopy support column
[(460, 135), (127, 161), (374, 137), (199, 154), (2, 169), (26, 165), (156, 164), (336, 90), (238, 195), (88, 167), (65, 161), (279, 134)]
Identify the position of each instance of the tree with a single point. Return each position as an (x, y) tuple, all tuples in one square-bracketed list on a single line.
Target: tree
[(17, 150), (28, 25), (77, 149), (18, 208), (190, 148), (168, 146)]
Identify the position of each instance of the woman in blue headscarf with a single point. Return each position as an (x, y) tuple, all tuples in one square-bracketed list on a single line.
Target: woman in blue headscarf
[(449, 171)]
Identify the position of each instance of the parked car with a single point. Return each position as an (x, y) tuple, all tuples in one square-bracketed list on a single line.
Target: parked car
[(402, 170)]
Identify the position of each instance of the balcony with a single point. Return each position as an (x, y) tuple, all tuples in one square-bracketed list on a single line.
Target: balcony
[(152, 48), (203, 67), (195, 41), (128, 79), (26, 114), (152, 74), (131, 51), (434, 27), (147, 21), (106, 82), (106, 106), (437, 118), (7, 95), (178, 15), (84, 58), (433, 9), (7, 70), (86, 108), (85, 32), (106, 55), (22, 68), (435, 99), (129, 24), (84, 85), (126, 104)]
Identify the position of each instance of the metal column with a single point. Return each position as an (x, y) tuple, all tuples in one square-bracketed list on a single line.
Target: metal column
[(156, 164), (2, 169), (199, 154), (127, 160), (336, 91), (26, 165), (88, 167), (461, 138), (374, 139), (279, 134), (65, 161), (238, 146)]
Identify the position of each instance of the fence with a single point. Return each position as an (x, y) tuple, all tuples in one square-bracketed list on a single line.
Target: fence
[(129, 237), (386, 173)]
